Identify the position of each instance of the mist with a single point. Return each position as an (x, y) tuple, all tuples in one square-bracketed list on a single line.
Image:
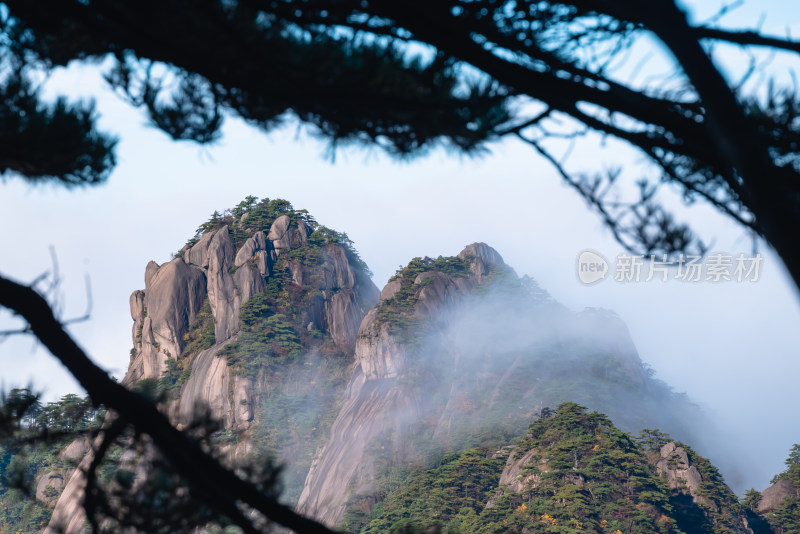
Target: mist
[(732, 348)]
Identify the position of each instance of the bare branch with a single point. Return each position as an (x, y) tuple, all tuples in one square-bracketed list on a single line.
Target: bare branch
[(89, 303), (747, 38), (184, 454)]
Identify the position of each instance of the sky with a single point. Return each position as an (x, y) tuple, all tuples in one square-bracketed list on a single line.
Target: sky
[(732, 347)]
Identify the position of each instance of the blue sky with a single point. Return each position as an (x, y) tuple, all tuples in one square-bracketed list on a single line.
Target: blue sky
[(733, 348)]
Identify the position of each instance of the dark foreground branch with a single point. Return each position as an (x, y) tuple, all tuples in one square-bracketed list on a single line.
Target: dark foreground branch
[(746, 38), (201, 470)]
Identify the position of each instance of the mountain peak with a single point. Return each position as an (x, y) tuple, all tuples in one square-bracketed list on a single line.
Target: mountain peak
[(484, 252)]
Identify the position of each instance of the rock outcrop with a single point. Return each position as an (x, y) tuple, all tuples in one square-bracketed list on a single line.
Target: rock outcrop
[(448, 355), (68, 515), (228, 289), (699, 496), (51, 482), (436, 355), (348, 295), (673, 463), (514, 478), (773, 496), (174, 293), (162, 314), (377, 400), (256, 243)]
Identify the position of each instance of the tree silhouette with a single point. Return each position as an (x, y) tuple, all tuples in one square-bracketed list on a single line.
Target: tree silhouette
[(495, 68), (239, 499)]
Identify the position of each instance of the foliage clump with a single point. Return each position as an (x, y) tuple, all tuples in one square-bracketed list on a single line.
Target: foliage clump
[(249, 216), (590, 476), (398, 311), (201, 332), (458, 486), (267, 337), (31, 436), (785, 519), (580, 474)]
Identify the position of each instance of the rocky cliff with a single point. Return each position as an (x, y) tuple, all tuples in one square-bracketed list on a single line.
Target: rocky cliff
[(460, 351), (270, 323), (223, 268)]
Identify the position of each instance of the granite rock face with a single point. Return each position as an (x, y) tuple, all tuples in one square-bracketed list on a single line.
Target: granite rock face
[(256, 243), (382, 396), (349, 294), (377, 400), (484, 257), (162, 313), (679, 473), (207, 388), (513, 476), (282, 234), (773, 496), (197, 255), (165, 309), (68, 515)]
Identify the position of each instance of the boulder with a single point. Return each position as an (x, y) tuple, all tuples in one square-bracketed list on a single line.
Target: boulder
[(51, 479), (391, 289), (198, 254), (229, 287), (171, 299), (513, 478), (149, 272), (281, 234), (255, 243), (673, 463), (773, 496), (76, 450)]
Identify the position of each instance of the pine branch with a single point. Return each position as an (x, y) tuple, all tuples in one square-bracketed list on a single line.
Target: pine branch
[(747, 38), (201, 470)]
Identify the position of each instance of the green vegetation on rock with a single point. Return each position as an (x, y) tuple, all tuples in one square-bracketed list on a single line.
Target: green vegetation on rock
[(458, 487), (201, 332), (31, 453), (785, 517), (573, 472), (398, 311), (251, 215)]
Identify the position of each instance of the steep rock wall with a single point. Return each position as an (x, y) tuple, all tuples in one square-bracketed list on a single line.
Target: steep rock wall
[(475, 360), (174, 293), (377, 402)]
